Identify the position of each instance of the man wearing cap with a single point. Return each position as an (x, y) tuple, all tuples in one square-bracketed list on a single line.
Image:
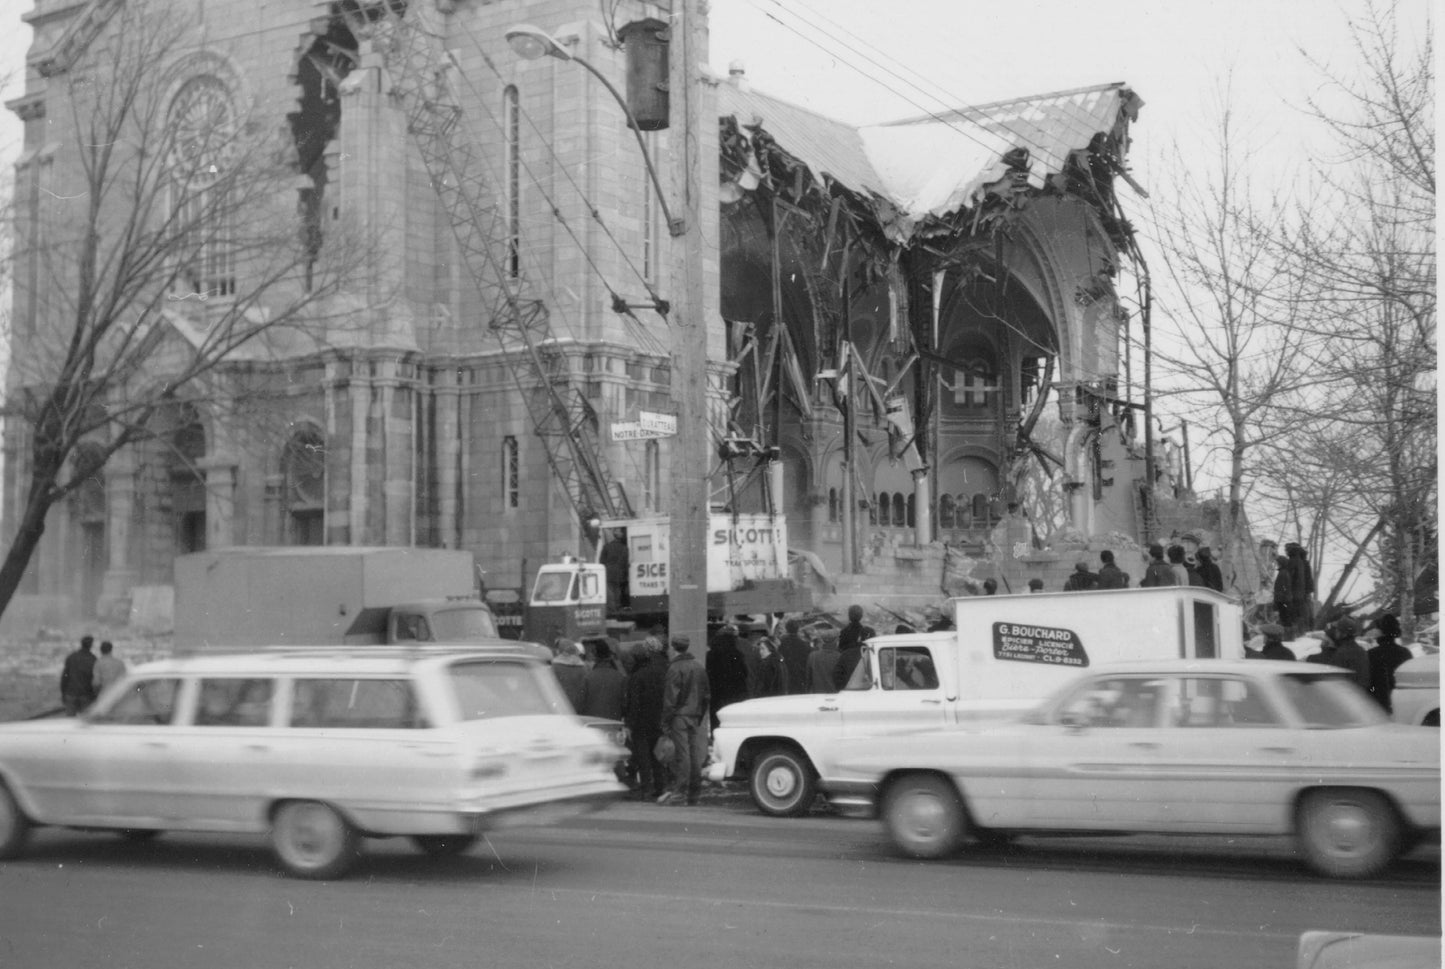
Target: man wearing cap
[(822, 662), (685, 702), (1274, 647), (1081, 580), (1347, 653)]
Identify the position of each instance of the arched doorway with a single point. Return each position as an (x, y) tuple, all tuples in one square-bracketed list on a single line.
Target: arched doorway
[(188, 484), (303, 466)]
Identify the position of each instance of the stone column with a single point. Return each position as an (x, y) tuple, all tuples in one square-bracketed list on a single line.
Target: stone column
[(220, 474), (121, 574)]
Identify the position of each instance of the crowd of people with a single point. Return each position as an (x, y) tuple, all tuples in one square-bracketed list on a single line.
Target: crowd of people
[(1172, 565)]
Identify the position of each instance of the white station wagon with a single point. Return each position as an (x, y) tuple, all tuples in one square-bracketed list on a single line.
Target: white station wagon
[(320, 747), (1234, 747)]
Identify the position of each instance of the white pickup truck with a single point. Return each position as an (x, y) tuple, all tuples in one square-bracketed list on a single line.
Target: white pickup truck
[(1004, 655)]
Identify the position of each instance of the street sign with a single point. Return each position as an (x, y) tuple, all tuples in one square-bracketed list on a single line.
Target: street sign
[(646, 427)]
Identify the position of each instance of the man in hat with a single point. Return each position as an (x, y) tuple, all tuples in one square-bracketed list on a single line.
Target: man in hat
[(1347, 654), (685, 702), (642, 712), (822, 662), (1209, 570), (1274, 647), (1081, 580), (1036, 585), (1386, 655)]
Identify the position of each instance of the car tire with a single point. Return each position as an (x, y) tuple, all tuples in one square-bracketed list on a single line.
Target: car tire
[(783, 782), (14, 825), (1347, 833), (313, 840), (924, 816), (444, 845)]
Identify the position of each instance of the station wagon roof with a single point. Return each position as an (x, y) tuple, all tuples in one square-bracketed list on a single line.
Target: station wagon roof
[(331, 660)]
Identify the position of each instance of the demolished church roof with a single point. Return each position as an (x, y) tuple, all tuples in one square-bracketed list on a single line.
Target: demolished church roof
[(940, 163)]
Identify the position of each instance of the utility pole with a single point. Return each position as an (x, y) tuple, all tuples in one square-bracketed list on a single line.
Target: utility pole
[(691, 448)]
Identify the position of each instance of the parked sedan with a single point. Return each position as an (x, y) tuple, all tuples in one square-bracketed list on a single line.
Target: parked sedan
[(319, 747), (1183, 747)]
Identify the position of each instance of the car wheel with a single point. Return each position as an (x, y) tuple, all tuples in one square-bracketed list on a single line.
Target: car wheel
[(444, 845), (312, 840), (1347, 833), (14, 825), (783, 783), (924, 816)]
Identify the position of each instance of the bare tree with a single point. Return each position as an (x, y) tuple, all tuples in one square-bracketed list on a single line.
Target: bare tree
[(1364, 241), (1226, 302), (168, 247)]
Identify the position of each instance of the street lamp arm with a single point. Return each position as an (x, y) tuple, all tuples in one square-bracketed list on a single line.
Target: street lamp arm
[(675, 226)]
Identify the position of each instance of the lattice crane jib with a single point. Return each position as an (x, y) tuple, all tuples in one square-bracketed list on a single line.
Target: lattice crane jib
[(421, 75)]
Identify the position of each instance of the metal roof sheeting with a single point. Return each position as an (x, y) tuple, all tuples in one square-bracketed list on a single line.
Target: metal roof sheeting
[(938, 163)]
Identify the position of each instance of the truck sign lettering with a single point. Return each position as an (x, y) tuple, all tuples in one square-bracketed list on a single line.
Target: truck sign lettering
[(650, 570), (745, 536), (1024, 643)]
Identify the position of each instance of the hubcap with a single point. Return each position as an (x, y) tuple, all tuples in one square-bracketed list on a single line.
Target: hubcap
[(780, 782), (312, 835), (923, 816), (1346, 829)]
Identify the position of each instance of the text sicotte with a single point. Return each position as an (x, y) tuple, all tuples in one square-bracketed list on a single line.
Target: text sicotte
[(1025, 643), (745, 536)]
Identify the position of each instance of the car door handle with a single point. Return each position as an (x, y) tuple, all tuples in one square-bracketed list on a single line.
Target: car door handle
[(931, 702), (158, 744), (258, 746), (828, 709), (1277, 750), (1144, 744)]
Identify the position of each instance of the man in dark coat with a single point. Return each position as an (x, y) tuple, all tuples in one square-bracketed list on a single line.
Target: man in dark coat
[(602, 687), (1302, 587), (1284, 592), (1158, 573), (1110, 575), (726, 671), (686, 699), (1348, 654), (1081, 579), (77, 678), (614, 559), (772, 674), (855, 633), (795, 652), (1385, 657), (1209, 570), (822, 663), (642, 712), (1274, 647)]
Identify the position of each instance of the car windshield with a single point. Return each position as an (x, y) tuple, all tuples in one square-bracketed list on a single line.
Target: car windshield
[(1327, 700), (462, 624), (552, 587), (487, 690)]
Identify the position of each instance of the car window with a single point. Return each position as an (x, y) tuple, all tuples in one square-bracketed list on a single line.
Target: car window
[(906, 668), (355, 704), (552, 587), (147, 701), (1120, 701), (488, 690), (1329, 700), (862, 675), (234, 702), (411, 627), (1219, 702), (463, 624)]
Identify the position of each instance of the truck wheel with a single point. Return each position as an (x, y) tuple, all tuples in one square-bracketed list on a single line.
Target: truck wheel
[(444, 845), (924, 816), (1347, 833), (14, 825), (783, 783), (312, 840)]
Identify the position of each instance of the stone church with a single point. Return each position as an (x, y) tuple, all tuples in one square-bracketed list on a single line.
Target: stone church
[(911, 320)]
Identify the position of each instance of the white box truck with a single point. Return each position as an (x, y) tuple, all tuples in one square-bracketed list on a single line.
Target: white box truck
[(1005, 654), (252, 596)]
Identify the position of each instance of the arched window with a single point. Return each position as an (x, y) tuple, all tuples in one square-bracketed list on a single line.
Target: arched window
[(980, 508), (900, 511), (201, 127), (188, 484), (303, 466), (511, 474), (910, 511), (965, 511), (832, 504), (884, 508), (945, 511), (512, 133)]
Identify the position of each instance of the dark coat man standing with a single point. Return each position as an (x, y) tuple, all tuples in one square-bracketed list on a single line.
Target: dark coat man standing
[(822, 663), (614, 559), (685, 704), (1209, 571), (795, 651), (1347, 653), (1159, 573), (727, 672), (1081, 579), (1385, 657), (77, 678), (1110, 575), (642, 712)]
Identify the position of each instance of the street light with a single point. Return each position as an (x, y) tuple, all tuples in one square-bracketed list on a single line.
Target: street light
[(533, 43)]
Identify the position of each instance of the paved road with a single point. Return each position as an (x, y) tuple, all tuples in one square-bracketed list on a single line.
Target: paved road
[(641, 886)]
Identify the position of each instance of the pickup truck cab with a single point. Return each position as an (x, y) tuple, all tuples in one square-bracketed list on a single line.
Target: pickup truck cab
[(1006, 654)]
